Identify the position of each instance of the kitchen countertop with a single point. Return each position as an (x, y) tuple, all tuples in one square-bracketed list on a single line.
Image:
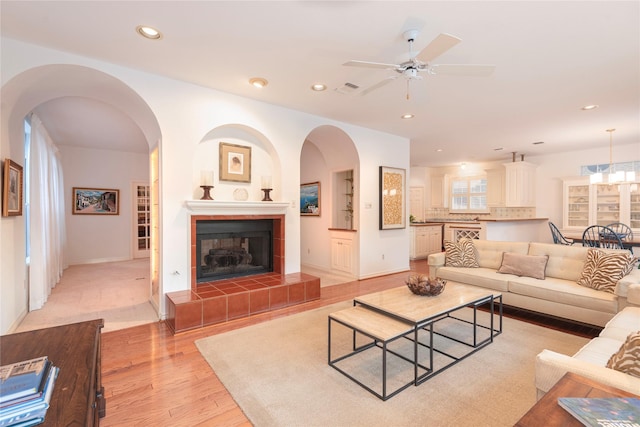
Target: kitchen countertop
[(473, 221)]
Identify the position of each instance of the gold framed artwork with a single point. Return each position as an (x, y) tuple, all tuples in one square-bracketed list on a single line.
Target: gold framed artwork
[(95, 201), (392, 198), (235, 163), (12, 190)]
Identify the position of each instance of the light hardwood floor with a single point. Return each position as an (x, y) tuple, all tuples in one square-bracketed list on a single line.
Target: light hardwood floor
[(153, 378)]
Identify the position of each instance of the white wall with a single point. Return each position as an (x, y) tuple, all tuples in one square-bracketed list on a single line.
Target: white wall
[(315, 240), (101, 238), (186, 113)]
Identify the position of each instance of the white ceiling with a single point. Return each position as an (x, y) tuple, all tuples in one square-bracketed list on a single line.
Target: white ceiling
[(551, 59)]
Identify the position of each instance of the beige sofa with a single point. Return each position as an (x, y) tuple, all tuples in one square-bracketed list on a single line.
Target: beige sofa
[(558, 294), (591, 360)]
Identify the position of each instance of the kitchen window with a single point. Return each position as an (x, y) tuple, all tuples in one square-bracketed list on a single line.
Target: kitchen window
[(469, 194)]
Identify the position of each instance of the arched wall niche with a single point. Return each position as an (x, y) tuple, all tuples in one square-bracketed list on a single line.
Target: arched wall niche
[(327, 151), (265, 161)]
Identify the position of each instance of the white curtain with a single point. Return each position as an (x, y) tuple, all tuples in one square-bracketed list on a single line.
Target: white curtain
[(47, 217)]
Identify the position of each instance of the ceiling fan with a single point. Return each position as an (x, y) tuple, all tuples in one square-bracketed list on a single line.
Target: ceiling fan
[(421, 62)]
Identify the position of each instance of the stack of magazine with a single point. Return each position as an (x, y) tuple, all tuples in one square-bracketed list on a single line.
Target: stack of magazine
[(25, 391)]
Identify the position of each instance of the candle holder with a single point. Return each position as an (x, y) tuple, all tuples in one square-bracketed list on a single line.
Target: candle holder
[(266, 197), (206, 189)]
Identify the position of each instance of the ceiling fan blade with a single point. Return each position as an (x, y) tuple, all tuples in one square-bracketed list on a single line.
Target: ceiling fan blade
[(462, 69), (366, 64), (378, 85), (437, 47)]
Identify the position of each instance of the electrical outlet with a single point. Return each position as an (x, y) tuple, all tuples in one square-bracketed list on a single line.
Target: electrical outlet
[(382, 256)]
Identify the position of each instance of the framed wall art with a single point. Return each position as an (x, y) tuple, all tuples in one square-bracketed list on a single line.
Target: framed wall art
[(95, 201), (392, 198), (12, 190), (310, 199), (235, 163)]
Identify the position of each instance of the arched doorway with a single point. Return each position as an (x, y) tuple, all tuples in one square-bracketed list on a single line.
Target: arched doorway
[(99, 101)]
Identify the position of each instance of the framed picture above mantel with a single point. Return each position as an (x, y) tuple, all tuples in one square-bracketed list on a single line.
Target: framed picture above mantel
[(235, 163)]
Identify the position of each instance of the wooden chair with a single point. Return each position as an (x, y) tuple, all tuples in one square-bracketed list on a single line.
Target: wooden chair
[(598, 236), (558, 238)]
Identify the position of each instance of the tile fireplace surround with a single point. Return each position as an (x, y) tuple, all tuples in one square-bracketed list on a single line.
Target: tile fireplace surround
[(218, 301)]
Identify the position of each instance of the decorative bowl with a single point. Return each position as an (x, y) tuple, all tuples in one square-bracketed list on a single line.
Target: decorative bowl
[(421, 284)]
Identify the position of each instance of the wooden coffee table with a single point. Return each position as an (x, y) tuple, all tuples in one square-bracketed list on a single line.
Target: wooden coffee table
[(408, 315), (548, 413)]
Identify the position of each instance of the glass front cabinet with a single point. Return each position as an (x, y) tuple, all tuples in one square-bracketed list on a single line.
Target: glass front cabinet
[(600, 204)]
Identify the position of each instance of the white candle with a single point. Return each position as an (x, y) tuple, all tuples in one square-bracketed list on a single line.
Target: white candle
[(266, 181), (206, 177)]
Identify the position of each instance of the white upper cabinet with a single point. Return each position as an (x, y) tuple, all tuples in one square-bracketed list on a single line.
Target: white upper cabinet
[(600, 204), (495, 187), (520, 184)]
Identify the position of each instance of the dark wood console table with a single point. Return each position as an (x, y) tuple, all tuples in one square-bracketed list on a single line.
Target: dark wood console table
[(78, 395), (548, 413)]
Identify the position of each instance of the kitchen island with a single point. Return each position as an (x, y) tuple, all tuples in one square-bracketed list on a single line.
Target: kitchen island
[(487, 228)]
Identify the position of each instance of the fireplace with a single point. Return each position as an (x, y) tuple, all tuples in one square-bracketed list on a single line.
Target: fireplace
[(230, 246), (214, 301), (233, 248)]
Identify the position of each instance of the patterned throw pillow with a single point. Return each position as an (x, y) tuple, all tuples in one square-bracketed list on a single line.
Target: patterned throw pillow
[(460, 254), (627, 359), (602, 270)]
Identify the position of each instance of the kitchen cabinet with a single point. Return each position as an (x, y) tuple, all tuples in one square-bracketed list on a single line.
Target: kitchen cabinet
[(437, 192), (425, 240), (576, 204), (495, 187), (520, 184), (587, 204)]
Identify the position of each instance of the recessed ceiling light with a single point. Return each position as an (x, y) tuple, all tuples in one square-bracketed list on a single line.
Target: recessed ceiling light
[(258, 82), (318, 87), (498, 149), (407, 116), (590, 107), (538, 142), (439, 150), (148, 32)]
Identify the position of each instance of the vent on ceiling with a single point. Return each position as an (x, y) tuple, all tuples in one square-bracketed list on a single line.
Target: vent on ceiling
[(347, 88)]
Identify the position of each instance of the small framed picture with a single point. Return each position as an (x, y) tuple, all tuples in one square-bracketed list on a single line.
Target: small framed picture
[(12, 190), (310, 199), (392, 198), (95, 201), (235, 163)]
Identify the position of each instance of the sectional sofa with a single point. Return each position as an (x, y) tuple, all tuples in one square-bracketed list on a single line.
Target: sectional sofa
[(596, 360), (541, 277)]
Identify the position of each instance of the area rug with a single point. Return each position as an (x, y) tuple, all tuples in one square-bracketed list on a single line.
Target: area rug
[(278, 374)]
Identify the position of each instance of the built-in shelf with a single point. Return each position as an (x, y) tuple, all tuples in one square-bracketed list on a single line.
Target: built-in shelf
[(236, 207)]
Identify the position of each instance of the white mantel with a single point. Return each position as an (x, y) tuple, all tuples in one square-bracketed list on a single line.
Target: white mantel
[(215, 207)]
